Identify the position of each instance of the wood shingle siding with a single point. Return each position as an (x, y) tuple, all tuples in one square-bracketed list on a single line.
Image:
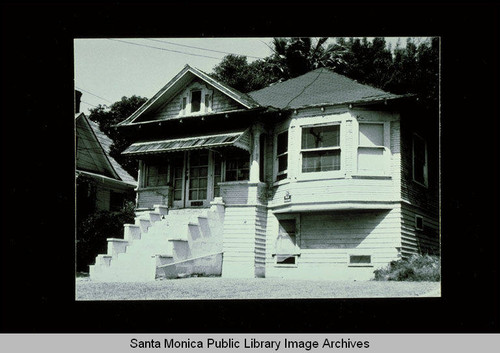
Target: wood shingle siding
[(171, 109)]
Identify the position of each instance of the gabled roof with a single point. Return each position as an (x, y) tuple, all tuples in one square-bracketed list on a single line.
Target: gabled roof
[(100, 149), (317, 87), (181, 80)]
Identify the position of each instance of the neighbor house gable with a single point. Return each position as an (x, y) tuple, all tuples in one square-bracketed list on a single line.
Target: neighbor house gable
[(92, 152), (190, 92)]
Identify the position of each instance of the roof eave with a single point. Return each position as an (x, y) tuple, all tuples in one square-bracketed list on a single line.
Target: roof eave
[(172, 82)]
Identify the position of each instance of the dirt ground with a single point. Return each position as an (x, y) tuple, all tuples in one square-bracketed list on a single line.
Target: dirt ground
[(254, 288)]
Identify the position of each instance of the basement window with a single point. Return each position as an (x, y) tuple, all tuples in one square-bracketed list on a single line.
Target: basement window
[(360, 260), (419, 222)]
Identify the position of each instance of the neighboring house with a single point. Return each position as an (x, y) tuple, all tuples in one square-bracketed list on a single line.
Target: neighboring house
[(315, 177), (102, 184)]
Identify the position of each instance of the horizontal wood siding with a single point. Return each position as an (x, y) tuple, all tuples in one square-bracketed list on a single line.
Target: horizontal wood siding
[(418, 195), (328, 239), (148, 198), (336, 190), (260, 241), (239, 241), (103, 195), (415, 241), (234, 192)]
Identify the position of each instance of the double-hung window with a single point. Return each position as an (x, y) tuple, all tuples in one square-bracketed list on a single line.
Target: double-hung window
[(282, 155), (320, 148), (419, 160), (371, 148)]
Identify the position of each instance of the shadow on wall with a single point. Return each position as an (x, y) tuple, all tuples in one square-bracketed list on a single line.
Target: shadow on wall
[(341, 229)]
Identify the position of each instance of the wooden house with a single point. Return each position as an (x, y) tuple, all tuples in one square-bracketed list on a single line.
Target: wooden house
[(102, 183), (315, 177)]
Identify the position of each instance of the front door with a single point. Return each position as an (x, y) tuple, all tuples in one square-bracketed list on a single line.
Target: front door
[(198, 179), (179, 180)]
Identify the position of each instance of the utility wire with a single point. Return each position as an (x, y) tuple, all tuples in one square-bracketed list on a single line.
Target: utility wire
[(171, 50), (89, 104), (193, 47), (95, 95)]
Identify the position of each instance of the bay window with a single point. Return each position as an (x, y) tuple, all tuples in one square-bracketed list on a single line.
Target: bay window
[(320, 148), (282, 155), (371, 148)]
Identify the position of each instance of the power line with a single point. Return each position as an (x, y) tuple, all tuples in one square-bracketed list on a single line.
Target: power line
[(171, 50), (95, 106), (95, 95), (193, 47)]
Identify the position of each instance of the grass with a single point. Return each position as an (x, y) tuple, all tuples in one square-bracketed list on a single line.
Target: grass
[(254, 288)]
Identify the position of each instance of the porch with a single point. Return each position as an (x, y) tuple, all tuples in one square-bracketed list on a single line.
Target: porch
[(192, 172)]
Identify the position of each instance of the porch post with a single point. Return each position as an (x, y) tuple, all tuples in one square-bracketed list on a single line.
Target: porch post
[(257, 130)]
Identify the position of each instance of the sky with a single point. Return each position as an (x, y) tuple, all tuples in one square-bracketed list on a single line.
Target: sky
[(110, 68)]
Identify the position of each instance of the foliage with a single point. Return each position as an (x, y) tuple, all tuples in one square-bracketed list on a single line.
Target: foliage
[(410, 69), (236, 72), (297, 56), (93, 231), (415, 268), (107, 117)]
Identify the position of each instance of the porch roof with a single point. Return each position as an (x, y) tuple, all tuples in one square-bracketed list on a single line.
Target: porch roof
[(239, 139)]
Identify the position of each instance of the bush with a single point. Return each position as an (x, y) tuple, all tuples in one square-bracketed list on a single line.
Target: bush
[(93, 231), (415, 268)]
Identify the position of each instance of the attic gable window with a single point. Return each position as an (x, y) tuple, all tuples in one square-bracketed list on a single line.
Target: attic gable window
[(196, 99)]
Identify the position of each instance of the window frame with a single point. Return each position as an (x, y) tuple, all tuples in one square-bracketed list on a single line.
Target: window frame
[(359, 252), (279, 129), (416, 222), (186, 99), (425, 170), (296, 254), (340, 147), (385, 170)]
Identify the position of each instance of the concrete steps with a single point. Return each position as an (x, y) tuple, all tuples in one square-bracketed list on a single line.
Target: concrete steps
[(164, 243)]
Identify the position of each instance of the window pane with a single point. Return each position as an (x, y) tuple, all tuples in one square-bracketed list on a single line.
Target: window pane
[(370, 159), (282, 163), (195, 101), (360, 259), (203, 183), (282, 142), (177, 195), (321, 136), (285, 243), (320, 161), (419, 160), (230, 175), (371, 134), (193, 194)]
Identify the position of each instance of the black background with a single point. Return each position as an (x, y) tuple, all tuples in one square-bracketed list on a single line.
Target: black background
[(37, 284)]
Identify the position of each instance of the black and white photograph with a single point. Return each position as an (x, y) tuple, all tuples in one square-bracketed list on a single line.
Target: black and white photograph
[(263, 176), (257, 168)]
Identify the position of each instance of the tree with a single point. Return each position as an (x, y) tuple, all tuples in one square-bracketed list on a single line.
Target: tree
[(236, 72), (106, 118), (296, 56)]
